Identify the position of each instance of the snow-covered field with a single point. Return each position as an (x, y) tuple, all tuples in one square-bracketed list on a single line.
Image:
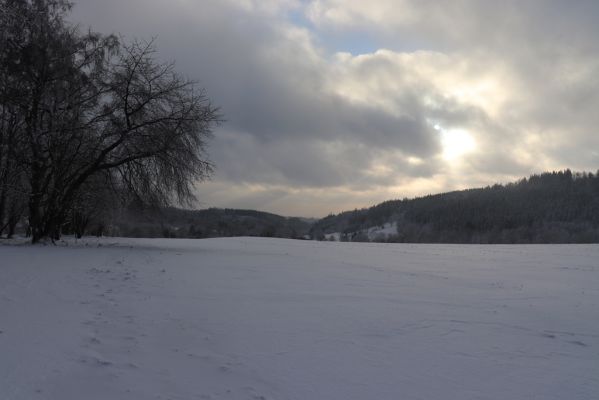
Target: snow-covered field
[(249, 318)]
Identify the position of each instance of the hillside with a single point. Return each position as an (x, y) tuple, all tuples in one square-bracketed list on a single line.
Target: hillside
[(557, 207), (212, 222)]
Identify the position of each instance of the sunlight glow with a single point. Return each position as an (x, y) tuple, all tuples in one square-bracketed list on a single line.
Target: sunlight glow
[(456, 143)]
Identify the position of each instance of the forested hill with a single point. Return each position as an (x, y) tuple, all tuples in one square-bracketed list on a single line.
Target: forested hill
[(212, 222), (556, 207)]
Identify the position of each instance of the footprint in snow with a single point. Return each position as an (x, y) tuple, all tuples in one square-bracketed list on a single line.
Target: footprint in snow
[(94, 340), (95, 361), (548, 335), (578, 343)]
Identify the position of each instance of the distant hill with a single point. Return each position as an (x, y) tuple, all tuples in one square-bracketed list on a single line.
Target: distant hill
[(213, 222), (556, 207), (553, 207)]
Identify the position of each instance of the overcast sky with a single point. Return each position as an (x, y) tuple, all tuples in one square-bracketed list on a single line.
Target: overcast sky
[(336, 104)]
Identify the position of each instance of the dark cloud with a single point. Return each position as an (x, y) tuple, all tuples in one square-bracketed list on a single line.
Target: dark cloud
[(521, 78)]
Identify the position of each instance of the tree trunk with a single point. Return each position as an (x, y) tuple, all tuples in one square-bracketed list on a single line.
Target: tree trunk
[(12, 225), (35, 218)]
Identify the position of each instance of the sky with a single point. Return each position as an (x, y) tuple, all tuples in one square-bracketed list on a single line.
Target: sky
[(331, 105)]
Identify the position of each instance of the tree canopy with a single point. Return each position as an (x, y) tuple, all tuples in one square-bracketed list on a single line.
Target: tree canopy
[(553, 207), (84, 116)]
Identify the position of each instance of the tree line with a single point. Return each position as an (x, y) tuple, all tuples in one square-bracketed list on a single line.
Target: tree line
[(88, 121), (552, 207), (209, 223)]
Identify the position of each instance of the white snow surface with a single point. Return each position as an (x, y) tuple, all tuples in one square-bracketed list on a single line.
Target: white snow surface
[(374, 233), (335, 236), (250, 318), (388, 229)]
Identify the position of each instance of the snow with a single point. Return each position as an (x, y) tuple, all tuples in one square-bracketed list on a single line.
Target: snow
[(374, 233), (250, 318), (382, 232), (335, 236)]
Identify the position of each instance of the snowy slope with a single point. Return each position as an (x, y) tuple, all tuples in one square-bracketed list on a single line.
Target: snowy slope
[(382, 232), (249, 318), (375, 233)]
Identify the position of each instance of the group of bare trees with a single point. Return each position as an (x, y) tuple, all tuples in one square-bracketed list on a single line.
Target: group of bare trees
[(86, 120)]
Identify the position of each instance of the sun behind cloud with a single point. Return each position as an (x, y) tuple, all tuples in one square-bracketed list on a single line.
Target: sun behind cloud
[(330, 104), (455, 143)]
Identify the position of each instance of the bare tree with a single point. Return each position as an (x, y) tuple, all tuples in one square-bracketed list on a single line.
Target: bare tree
[(92, 107), (13, 192)]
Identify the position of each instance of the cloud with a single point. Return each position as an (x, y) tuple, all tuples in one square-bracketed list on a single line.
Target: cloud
[(310, 123)]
